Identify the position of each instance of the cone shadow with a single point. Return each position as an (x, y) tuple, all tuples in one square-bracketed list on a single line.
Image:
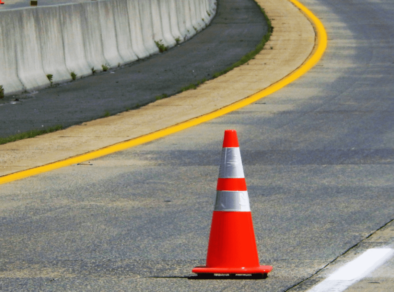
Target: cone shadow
[(218, 277), (228, 277)]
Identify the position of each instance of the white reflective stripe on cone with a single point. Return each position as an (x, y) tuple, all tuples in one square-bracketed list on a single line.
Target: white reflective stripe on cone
[(232, 201), (231, 164)]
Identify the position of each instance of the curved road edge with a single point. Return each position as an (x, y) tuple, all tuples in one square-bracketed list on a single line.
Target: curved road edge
[(271, 70)]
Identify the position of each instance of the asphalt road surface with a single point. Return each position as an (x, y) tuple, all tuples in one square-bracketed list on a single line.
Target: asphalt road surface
[(237, 29), (318, 158)]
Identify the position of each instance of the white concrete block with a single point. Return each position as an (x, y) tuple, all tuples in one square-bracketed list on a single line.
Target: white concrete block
[(156, 22), (135, 23), (51, 43), (8, 74), (195, 12), (74, 52), (91, 35), (147, 26), (213, 6), (164, 6), (121, 17), (188, 18), (180, 9), (209, 10), (174, 20), (29, 62), (108, 34), (203, 12)]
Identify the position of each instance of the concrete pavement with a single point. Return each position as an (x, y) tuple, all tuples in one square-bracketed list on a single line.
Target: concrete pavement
[(379, 279)]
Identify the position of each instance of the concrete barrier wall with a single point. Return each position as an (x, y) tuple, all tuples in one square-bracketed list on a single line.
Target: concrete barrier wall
[(181, 18), (197, 15), (73, 39), (48, 24), (168, 37), (137, 40), (29, 62), (94, 51), (123, 35), (9, 73), (147, 26), (174, 20), (80, 38)]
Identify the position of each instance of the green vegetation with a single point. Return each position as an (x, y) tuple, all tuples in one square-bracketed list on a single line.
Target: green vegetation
[(1, 91), (50, 77), (105, 67), (107, 114), (29, 134), (190, 86), (161, 96), (253, 53), (93, 70), (162, 48), (195, 29), (73, 76), (244, 59), (178, 40), (193, 85)]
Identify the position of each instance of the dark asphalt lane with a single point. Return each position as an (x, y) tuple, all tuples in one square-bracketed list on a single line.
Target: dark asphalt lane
[(318, 158), (236, 30)]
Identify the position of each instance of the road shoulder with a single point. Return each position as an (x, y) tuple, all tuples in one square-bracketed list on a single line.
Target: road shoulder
[(291, 44)]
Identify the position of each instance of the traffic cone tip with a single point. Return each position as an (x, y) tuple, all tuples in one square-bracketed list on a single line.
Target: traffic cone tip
[(230, 139)]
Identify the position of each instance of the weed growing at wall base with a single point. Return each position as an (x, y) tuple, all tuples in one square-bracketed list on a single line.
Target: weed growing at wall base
[(50, 77), (73, 76), (162, 48), (1, 91)]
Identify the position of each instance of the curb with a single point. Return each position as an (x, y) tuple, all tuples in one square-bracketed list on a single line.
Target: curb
[(316, 55)]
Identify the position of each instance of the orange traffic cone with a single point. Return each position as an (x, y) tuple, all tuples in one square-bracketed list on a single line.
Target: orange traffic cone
[(232, 245)]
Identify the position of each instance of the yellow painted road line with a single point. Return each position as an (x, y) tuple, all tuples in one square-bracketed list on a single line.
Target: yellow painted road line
[(321, 45)]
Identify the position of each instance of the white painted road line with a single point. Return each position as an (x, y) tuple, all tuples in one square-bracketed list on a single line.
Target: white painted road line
[(354, 270)]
